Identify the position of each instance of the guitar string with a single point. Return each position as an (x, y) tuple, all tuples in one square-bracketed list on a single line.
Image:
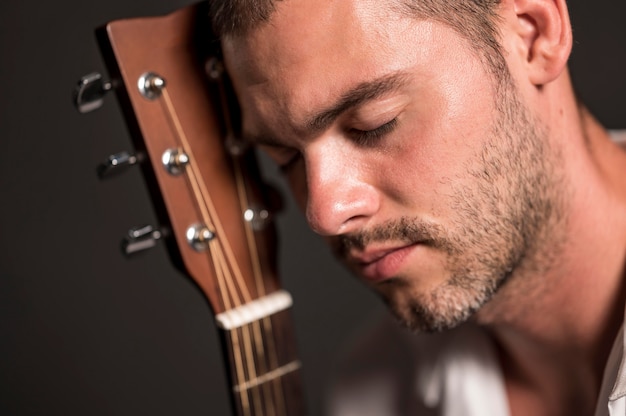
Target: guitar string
[(216, 253), (207, 207), (260, 282), (220, 268), (220, 264), (199, 188), (244, 334), (247, 343), (279, 397), (274, 403), (256, 335)]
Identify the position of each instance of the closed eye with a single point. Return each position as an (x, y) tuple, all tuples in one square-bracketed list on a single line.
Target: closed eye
[(369, 137), (290, 163), (284, 157)]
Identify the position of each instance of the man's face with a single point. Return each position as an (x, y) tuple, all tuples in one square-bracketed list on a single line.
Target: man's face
[(427, 179)]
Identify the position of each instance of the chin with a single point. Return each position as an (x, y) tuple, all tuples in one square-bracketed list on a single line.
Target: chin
[(444, 307)]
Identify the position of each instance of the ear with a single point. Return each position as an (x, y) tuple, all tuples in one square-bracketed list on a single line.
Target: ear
[(545, 32)]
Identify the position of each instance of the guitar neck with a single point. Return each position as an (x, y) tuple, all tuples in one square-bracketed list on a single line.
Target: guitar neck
[(264, 369)]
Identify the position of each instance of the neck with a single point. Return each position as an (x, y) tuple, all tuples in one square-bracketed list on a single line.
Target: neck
[(555, 328)]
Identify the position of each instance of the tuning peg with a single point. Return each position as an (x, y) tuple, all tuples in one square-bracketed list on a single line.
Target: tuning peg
[(257, 217), (90, 91), (141, 238), (199, 236), (117, 163)]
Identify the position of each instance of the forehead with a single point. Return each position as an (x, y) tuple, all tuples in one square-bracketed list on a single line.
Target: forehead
[(313, 51), (298, 29)]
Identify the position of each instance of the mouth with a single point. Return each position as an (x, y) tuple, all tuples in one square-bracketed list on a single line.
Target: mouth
[(377, 265)]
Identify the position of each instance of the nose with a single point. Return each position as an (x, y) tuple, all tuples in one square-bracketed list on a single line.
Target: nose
[(340, 196)]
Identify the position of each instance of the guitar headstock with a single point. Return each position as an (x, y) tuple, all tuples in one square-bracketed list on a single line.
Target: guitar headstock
[(205, 184)]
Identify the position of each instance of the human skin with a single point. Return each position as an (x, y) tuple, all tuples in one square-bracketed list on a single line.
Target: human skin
[(448, 191), (441, 194)]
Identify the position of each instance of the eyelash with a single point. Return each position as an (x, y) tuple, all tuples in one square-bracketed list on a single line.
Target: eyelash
[(363, 137), (366, 137), (286, 167)]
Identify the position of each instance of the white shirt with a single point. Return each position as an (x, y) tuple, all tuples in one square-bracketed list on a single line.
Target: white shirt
[(455, 373)]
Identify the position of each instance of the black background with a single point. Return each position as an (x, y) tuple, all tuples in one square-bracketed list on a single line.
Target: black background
[(83, 331)]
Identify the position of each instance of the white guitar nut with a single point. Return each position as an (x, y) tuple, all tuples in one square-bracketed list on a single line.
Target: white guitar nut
[(255, 310)]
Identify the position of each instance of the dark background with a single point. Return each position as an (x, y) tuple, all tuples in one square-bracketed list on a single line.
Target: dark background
[(83, 331)]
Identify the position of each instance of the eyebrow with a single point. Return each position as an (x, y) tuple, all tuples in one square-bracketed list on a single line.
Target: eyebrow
[(357, 96)]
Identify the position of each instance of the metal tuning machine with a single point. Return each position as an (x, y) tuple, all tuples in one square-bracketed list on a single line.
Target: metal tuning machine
[(118, 163), (257, 217), (141, 239), (90, 91)]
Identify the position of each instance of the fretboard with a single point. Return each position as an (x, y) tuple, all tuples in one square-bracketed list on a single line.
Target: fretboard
[(264, 368)]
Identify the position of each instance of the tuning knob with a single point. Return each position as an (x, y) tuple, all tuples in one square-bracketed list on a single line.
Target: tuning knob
[(117, 163), (150, 85), (175, 161), (257, 217), (90, 91), (199, 236), (141, 239)]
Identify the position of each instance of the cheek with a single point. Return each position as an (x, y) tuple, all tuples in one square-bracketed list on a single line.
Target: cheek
[(441, 138)]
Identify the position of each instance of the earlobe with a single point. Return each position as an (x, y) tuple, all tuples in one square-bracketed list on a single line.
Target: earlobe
[(544, 28)]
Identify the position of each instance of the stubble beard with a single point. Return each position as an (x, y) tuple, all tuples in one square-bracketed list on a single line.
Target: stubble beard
[(510, 206)]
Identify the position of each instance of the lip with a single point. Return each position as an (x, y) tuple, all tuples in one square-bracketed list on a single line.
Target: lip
[(382, 264)]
